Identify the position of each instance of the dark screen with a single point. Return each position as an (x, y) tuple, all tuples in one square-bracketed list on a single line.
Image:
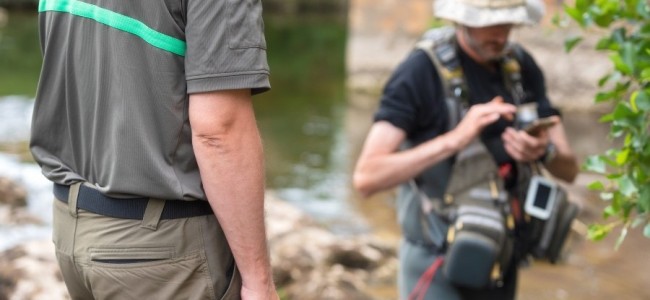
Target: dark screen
[(542, 195)]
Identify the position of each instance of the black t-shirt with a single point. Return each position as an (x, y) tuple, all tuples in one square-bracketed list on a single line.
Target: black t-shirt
[(413, 98)]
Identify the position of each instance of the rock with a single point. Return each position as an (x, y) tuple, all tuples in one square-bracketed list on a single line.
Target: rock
[(13, 204), (310, 262), (284, 217), (11, 193), (30, 271), (335, 282), (355, 254), (17, 216)]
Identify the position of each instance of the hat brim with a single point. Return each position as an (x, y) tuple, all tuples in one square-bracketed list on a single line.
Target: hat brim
[(473, 16)]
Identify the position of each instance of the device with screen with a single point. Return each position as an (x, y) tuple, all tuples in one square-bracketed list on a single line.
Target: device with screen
[(540, 199), (537, 126)]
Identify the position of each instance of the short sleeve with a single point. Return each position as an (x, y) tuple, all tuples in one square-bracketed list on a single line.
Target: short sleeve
[(226, 48), (409, 97), (535, 86)]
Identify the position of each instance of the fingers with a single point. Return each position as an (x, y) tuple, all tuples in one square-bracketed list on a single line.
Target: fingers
[(509, 109), (493, 110), (523, 147)]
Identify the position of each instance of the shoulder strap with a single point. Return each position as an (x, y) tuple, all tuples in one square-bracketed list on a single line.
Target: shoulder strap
[(512, 72), (440, 45)]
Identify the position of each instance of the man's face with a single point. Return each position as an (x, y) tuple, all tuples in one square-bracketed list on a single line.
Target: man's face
[(488, 42)]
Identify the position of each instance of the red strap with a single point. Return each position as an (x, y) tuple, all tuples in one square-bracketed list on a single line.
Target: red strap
[(504, 170), (425, 280), (515, 207)]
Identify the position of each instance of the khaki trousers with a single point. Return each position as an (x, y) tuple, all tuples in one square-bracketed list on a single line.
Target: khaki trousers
[(108, 258)]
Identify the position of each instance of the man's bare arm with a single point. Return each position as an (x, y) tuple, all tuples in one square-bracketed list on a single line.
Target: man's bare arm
[(565, 164), (381, 166), (229, 153)]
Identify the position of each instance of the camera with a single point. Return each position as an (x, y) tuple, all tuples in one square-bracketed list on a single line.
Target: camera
[(551, 217)]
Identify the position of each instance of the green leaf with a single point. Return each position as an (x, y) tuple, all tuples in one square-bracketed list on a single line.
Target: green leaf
[(645, 74), (606, 118), (606, 43), (618, 36), (643, 9), (619, 64), (604, 79), (597, 232), (575, 14), (612, 176), (622, 156), (642, 100), (595, 164), (603, 19), (596, 186), (628, 140), (644, 199), (646, 231), (605, 96), (628, 55), (633, 97), (627, 187), (622, 111), (570, 43), (609, 211), (582, 5)]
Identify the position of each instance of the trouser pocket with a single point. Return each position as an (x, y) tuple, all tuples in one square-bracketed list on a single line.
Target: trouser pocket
[(130, 255), (148, 273)]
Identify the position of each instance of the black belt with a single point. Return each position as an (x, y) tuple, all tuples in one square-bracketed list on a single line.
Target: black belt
[(130, 208)]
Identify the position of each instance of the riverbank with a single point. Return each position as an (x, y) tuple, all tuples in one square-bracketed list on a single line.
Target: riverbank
[(308, 261)]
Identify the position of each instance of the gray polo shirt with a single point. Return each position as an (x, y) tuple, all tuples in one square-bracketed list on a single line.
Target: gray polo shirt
[(112, 101)]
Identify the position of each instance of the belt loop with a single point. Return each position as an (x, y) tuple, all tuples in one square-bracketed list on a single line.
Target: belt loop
[(72, 198), (152, 213)]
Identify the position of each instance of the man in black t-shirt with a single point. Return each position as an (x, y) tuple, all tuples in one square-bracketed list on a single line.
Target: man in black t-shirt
[(413, 112)]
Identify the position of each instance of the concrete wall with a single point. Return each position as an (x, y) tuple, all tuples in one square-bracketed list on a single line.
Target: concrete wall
[(381, 32)]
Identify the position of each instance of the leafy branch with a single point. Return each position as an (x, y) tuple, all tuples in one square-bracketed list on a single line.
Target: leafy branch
[(627, 88)]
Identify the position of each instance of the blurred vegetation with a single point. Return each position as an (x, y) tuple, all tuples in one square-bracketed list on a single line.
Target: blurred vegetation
[(20, 55), (627, 88), (306, 55)]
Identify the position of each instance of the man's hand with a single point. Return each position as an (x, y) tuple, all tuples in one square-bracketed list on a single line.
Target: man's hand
[(478, 117), (524, 147)]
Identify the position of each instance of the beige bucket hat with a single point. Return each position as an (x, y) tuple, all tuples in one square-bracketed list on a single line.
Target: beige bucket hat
[(482, 13)]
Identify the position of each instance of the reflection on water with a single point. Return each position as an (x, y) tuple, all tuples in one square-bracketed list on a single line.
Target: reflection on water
[(20, 55), (301, 117)]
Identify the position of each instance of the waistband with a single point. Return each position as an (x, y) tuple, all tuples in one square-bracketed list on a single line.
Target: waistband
[(92, 200)]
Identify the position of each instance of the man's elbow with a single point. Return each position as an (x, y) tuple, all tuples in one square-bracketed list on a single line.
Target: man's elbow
[(362, 185), (571, 175), (566, 170)]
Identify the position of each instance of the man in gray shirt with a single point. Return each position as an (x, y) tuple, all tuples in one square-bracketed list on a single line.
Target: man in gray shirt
[(144, 122)]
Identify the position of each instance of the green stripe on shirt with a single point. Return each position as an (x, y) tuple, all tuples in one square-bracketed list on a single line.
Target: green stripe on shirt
[(117, 21)]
